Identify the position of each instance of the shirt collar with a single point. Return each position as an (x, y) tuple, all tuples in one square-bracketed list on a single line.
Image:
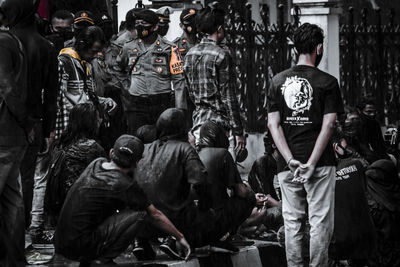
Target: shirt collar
[(207, 40)]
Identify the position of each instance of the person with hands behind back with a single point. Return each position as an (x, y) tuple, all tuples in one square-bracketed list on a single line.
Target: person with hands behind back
[(303, 103)]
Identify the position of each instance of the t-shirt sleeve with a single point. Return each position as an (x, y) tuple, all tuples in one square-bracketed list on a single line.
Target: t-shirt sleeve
[(273, 98), (136, 197), (333, 99), (232, 175), (194, 169)]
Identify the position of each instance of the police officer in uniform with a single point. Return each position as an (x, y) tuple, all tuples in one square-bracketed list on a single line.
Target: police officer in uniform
[(188, 39), (163, 23), (153, 64)]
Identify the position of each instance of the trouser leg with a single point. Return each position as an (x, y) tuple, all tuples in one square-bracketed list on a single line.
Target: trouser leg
[(27, 169), (117, 232), (294, 214), (321, 200), (37, 213), (203, 228), (12, 227)]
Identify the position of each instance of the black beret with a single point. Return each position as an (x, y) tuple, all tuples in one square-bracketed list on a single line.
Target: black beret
[(188, 15), (147, 15)]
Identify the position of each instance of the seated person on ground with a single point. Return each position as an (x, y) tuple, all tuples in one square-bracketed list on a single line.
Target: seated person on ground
[(370, 130), (223, 175), (353, 237), (71, 154), (171, 172), (105, 209), (383, 194), (263, 174)]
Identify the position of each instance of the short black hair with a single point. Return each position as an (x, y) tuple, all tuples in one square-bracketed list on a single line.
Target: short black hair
[(307, 37), (366, 100), (209, 19), (88, 36), (62, 14)]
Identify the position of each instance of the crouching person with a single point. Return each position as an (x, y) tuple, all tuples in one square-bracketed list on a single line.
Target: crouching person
[(105, 209), (172, 175), (223, 176)]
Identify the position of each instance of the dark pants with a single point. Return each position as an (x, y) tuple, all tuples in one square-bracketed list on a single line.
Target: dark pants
[(141, 111), (110, 239), (27, 169), (202, 228), (12, 227)]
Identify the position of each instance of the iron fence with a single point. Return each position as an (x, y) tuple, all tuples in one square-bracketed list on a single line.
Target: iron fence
[(259, 51), (370, 61)]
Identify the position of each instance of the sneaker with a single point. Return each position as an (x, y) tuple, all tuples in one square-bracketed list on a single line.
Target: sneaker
[(223, 247), (169, 248), (43, 240), (143, 250), (36, 258)]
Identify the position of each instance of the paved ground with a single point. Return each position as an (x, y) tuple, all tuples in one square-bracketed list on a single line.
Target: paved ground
[(262, 253)]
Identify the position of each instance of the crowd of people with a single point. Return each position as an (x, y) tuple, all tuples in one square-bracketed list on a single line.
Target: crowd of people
[(129, 141)]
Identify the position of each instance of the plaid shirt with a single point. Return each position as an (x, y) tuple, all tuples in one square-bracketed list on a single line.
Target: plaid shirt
[(211, 88)]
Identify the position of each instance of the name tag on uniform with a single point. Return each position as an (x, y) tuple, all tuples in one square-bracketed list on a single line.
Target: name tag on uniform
[(176, 63)]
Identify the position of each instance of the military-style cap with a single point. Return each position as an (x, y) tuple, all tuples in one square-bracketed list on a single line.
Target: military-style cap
[(163, 14), (83, 19), (147, 15), (188, 15)]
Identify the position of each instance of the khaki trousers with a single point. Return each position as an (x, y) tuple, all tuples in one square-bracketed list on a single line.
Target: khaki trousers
[(316, 199)]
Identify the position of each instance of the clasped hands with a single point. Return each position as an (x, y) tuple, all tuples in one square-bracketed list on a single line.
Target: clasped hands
[(301, 172)]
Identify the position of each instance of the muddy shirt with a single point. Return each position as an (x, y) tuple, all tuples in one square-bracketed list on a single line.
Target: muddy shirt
[(96, 195), (222, 173), (166, 173), (303, 95)]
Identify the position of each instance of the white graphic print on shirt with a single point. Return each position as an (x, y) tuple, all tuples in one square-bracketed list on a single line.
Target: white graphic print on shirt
[(297, 93)]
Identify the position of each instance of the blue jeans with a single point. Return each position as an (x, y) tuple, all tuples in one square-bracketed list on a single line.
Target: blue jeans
[(37, 213), (12, 224)]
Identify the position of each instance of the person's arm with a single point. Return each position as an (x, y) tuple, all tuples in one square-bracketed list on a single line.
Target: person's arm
[(227, 87), (306, 170), (178, 79), (159, 220), (275, 128), (11, 92)]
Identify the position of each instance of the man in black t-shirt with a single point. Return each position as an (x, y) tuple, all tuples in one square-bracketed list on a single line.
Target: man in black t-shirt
[(303, 103), (105, 209)]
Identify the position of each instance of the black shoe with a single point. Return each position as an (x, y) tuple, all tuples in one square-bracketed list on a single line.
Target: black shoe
[(143, 250), (223, 247), (169, 248), (43, 240)]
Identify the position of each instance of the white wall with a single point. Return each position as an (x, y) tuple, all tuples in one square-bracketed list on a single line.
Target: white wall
[(174, 29)]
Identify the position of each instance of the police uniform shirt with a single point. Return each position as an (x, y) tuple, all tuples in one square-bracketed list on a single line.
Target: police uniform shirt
[(152, 69), (183, 44)]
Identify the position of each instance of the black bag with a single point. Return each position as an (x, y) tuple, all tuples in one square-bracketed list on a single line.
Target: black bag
[(54, 188)]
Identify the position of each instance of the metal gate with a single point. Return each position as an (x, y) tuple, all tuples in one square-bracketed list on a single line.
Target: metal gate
[(259, 52), (370, 61)]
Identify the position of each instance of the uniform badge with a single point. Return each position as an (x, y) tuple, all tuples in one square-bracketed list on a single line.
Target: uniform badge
[(159, 69), (176, 63)]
